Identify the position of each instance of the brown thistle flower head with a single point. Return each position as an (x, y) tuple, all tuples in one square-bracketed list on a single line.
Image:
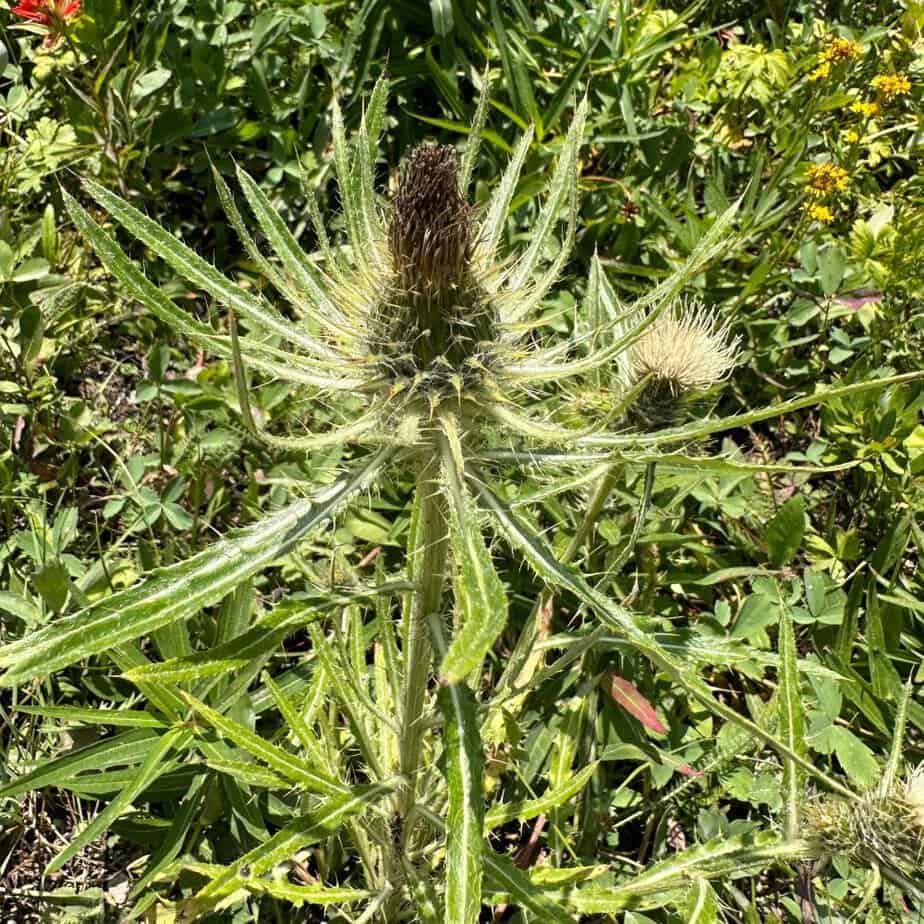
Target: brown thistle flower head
[(437, 322), (431, 224)]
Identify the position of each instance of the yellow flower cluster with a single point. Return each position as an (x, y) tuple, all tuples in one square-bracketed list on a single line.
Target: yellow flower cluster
[(840, 49), (825, 179), (819, 213), (891, 85), (865, 109), (851, 136), (821, 72), (835, 51)]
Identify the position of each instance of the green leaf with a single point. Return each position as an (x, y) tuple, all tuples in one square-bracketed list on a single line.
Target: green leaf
[(700, 905), (280, 760), (785, 531), (192, 267), (441, 11), (465, 815), (530, 808), (502, 876), (540, 557), (178, 591), (479, 592), (293, 369), (150, 769), (310, 828), (133, 718), (792, 724), (126, 748)]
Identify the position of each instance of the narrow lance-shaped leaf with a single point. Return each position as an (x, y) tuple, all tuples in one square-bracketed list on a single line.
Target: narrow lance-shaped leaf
[(792, 723), (297, 369), (552, 799), (699, 429), (465, 817), (479, 591), (306, 830), (277, 758), (150, 769), (178, 591), (191, 266)]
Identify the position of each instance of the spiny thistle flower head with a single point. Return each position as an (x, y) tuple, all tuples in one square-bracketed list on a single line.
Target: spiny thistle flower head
[(687, 349), (431, 223), (885, 828)]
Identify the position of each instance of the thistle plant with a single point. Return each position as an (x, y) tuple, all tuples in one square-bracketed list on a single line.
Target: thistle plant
[(376, 758)]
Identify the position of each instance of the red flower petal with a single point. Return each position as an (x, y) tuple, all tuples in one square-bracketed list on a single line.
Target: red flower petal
[(628, 696)]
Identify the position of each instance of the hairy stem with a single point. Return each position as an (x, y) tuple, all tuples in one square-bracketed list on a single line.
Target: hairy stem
[(429, 541)]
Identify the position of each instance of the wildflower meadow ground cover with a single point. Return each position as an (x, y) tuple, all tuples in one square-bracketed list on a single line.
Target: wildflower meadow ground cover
[(461, 461)]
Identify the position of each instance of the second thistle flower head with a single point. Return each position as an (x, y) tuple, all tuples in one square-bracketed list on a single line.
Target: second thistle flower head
[(686, 349)]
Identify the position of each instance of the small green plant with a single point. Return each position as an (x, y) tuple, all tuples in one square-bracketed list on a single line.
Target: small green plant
[(430, 348)]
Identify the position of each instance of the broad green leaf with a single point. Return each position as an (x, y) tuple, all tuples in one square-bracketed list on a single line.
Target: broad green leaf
[(480, 595), (277, 758), (700, 905), (150, 769), (792, 724), (178, 591), (785, 531), (465, 815)]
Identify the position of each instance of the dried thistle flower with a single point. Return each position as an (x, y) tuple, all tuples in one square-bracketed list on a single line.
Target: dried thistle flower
[(431, 223), (685, 350)]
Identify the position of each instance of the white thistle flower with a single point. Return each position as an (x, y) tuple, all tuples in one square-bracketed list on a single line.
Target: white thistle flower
[(914, 795), (686, 349)]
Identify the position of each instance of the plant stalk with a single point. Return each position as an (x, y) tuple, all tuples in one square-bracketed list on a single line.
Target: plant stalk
[(427, 553)]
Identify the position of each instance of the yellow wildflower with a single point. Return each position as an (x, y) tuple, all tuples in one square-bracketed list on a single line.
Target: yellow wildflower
[(820, 72), (850, 136), (840, 49), (891, 85), (825, 179), (865, 109), (819, 213)]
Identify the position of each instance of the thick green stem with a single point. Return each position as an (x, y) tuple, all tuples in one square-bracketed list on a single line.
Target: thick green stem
[(429, 543)]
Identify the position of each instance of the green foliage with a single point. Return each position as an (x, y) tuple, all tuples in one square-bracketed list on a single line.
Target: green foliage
[(265, 627)]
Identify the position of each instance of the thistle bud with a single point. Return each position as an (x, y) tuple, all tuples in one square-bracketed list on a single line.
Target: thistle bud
[(431, 224)]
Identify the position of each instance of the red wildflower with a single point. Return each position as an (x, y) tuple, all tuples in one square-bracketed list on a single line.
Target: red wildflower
[(52, 14)]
